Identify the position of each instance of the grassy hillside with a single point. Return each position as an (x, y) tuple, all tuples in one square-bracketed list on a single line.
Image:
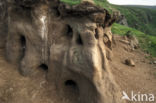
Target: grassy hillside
[(140, 18), (142, 6), (143, 19), (147, 42), (71, 2)]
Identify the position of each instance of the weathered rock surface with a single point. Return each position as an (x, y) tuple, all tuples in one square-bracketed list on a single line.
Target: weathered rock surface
[(130, 41), (121, 19), (71, 42), (134, 43), (130, 62), (3, 23)]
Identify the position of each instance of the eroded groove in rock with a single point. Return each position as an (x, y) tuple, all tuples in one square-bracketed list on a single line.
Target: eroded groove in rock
[(70, 41), (3, 22)]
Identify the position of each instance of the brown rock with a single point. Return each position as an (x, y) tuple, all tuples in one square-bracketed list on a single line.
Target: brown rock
[(154, 62), (134, 43), (130, 62), (125, 42), (68, 43)]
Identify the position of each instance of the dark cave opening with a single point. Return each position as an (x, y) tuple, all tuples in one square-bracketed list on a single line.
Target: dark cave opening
[(71, 84), (69, 31), (79, 40), (23, 45), (96, 34), (43, 67), (71, 90), (107, 41)]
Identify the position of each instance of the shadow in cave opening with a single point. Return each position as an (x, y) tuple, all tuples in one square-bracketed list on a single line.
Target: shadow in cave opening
[(71, 89), (23, 45), (43, 67)]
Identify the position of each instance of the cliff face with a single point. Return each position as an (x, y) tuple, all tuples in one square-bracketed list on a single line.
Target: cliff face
[(121, 19), (73, 43), (3, 22)]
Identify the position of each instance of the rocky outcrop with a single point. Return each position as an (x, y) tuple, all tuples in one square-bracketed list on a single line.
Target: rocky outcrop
[(71, 42), (134, 43), (121, 19)]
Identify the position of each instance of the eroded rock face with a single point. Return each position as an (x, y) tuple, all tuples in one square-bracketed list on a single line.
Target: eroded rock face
[(121, 19), (3, 23), (71, 41)]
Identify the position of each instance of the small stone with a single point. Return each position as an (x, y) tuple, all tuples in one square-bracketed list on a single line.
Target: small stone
[(154, 62), (129, 62), (125, 42), (11, 89)]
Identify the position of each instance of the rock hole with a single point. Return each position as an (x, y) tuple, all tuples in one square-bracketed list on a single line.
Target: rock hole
[(23, 45), (72, 85), (96, 34), (43, 67), (56, 11), (107, 42), (71, 90), (105, 38), (69, 31), (79, 40)]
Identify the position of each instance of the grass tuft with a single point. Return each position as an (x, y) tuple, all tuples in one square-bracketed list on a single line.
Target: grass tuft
[(71, 2)]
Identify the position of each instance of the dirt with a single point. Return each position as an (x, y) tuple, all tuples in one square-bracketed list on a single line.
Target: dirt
[(15, 88), (140, 79)]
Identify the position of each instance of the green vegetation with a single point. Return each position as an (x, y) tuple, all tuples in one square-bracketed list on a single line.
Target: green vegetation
[(142, 19), (147, 42), (104, 4), (71, 2)]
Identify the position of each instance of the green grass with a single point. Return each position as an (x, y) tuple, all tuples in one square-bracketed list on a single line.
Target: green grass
[(142, 19), (122, 30), (139, 18), (71, 2), (147, 42), (104, 4)]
